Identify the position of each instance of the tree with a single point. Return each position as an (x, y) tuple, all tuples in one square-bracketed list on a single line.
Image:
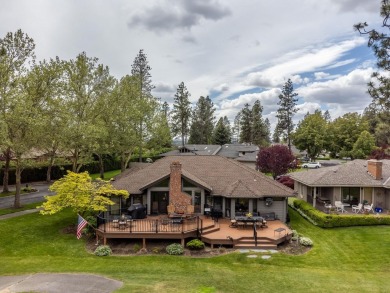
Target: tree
[(246, 124), (46, 79), (364, 145), (267, 128), (286, 111), (87, 85), (80, 193), (222, 134), (160, 137), (16, 50), (141, 70), (202, 125), (276, 159), (181, 113), (124, 118), (311, 135), (379, 86), (259, 129), (236, 127), (343, 133)]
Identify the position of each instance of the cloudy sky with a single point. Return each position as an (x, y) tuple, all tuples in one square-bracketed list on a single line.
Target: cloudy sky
[(233, 51)]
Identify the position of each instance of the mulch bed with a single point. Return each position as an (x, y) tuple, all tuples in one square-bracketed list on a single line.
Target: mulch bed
[(157, 247)]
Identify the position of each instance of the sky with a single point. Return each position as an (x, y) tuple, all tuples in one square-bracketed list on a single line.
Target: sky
[(233, 51)]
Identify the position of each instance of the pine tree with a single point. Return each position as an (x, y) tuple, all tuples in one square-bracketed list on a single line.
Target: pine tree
[(221, 133), (246, 125), (286, 111), (181, 113), (236, 128), (259, 131), (141, 70), (202, 122)]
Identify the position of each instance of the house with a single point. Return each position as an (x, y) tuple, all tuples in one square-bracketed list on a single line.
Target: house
[(246, 154), (206, 182), (357, 181)]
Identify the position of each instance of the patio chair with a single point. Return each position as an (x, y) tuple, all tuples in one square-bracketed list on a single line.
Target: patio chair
[(369, 208), (339, 206), (357, 208)]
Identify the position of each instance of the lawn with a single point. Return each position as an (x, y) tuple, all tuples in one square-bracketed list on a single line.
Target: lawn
[(344, 260), (107, 175), (28, 206)]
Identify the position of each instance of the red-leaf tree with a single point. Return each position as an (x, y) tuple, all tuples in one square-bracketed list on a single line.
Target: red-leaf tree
[(276, 159)]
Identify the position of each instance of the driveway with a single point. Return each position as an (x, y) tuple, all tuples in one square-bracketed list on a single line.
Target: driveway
[(43, 190), (58, 283)]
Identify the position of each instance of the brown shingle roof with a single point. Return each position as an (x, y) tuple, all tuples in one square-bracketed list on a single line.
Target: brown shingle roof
[(212, 172), (352, 173)]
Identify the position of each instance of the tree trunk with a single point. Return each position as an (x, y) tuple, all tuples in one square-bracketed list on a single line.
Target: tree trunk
[(140, 146), (101, 166), (7, 155), (49, 167), (18, 175)]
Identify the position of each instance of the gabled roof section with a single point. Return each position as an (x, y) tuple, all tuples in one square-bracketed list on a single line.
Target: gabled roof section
[(213, 173), (239, 189), (353, 173), (193, 179)]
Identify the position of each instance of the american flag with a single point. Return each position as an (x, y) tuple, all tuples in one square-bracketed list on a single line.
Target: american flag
[(80, 226)]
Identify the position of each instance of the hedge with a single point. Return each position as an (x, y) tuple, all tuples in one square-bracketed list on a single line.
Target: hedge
[(334, 220), (39, 173)]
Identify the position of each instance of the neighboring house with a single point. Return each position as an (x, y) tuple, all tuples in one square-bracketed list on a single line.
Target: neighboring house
[(246, 154), (206, 182), (354, 182)]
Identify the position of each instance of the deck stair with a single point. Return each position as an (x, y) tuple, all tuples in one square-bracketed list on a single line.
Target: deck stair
[(250, 243), (210, 228)]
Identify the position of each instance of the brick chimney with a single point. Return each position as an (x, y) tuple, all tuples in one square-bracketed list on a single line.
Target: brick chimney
[(374, 168), (176, 197)]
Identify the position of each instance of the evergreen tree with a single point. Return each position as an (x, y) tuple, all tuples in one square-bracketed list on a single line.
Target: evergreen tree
[(202, 126), (286, 111), (327, 116), (259, 131), (237, 127), (267, 132), (181, 113), (226, 122), (246, 125), (141, 70), (379, 85), (221, 133)]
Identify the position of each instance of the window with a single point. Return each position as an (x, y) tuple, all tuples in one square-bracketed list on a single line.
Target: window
[(350, 195)]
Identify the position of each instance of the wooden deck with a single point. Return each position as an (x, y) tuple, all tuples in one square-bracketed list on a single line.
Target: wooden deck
[(214, 233)]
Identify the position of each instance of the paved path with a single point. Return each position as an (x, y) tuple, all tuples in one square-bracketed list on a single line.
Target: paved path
[(43, 190), (58, 283)]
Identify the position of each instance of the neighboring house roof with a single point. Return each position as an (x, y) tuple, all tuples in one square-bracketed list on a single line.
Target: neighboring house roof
[(237, 150), (248, 157), (246, 153), (194, 149), (219, 175), (353, 173)]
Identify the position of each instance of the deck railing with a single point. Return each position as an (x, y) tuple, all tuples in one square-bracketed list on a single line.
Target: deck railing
[(165, 225)]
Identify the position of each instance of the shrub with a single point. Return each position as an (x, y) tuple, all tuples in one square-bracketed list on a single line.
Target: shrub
[(321, 219), (195, 244), (305, 241), (136, 247), (103, 250), (175, 249)]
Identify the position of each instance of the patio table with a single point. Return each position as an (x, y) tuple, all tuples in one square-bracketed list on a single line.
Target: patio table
[(253, 220)]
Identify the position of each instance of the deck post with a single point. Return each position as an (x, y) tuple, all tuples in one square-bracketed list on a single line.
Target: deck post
[(182, 242), (144, 243), (104, 240)]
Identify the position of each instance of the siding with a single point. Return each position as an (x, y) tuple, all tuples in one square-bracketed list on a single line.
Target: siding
[(278, 207)]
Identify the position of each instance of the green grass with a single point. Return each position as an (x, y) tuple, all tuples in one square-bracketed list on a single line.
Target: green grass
[(107, 175), (23, 208), (4, 194), (343, 260)]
